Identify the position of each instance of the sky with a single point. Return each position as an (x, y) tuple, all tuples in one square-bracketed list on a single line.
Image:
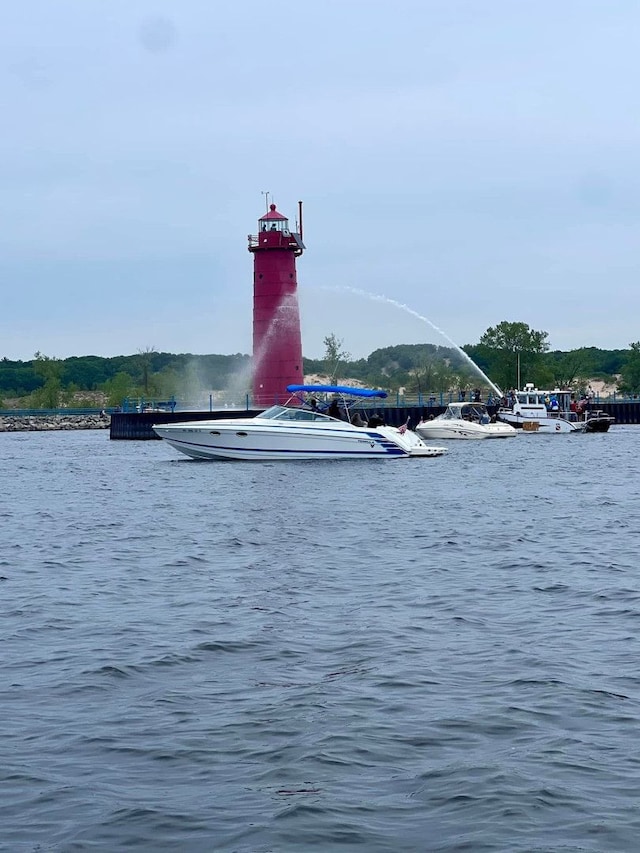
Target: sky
[(473, 160)]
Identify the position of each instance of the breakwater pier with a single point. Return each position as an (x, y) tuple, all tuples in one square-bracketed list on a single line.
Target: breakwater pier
[(46, 422)]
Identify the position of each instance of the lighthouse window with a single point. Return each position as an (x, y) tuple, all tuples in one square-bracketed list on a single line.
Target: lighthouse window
[(281, 225)]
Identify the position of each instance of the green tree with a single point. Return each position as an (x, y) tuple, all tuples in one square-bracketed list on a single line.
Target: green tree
[(630, 383), (50, 370), (568, 368), (120, 386), (145, 362), (334, 355), (169, 382), (514, 350), (432, 374)]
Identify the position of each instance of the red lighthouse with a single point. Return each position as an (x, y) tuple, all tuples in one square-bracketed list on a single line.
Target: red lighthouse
[(277, 343)]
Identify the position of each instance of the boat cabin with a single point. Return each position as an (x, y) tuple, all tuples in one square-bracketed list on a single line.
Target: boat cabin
[(551, 402), (536, 403)]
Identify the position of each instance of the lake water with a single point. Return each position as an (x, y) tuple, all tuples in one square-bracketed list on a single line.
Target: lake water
[(408, 655)]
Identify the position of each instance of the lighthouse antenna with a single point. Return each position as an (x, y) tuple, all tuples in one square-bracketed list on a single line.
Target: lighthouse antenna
[(300, 217), (266, 194)]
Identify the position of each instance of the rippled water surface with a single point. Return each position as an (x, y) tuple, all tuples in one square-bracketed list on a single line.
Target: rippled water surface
[(407, 655)]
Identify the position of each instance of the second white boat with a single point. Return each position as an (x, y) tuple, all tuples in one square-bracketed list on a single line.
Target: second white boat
[(464, 421)]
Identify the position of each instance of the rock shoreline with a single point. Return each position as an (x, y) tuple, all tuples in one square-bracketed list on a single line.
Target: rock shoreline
[(46, 423)]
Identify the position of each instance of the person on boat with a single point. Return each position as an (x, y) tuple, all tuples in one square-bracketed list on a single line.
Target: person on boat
[(358, 420), (312, 403), (334, 410), (375, 420), (554, 405)]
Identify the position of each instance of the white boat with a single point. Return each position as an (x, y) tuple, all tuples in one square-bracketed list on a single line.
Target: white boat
[(464, 420), (537, 411), (300, 429)]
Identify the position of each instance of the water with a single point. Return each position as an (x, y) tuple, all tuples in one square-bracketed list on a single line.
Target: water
[(415, 655)]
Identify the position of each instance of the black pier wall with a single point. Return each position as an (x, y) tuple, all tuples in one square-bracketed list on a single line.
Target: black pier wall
[(138, 426)]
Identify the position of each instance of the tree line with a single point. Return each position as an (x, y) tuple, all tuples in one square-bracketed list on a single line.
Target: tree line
[(48, 382), (509, 354), (506, 353)]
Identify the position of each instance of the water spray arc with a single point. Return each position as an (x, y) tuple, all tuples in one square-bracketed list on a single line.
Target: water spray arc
[(377, 298)]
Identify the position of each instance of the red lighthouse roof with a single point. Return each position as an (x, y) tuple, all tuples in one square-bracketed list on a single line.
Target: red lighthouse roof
[(272, 215)]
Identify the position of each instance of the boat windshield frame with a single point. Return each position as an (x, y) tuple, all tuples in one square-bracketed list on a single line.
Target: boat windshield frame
[(464, 411), (291, 413)]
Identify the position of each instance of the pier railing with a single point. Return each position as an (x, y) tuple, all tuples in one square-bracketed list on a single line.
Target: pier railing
[(219, 401), (244, 402)]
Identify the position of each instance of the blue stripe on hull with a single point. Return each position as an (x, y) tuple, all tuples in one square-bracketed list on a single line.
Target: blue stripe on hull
[(389, 448)]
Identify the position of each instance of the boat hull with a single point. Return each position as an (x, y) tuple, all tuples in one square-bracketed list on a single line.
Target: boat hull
[(434, 431), (600, 423), (544, 426)]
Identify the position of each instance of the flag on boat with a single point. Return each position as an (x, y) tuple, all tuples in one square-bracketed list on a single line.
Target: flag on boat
[(402, 429)]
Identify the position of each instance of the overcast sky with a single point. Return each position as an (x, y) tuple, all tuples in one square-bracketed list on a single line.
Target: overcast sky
[(474, 160)]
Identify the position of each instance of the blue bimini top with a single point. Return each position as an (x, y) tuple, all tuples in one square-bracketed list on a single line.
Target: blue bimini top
[(338, 389)]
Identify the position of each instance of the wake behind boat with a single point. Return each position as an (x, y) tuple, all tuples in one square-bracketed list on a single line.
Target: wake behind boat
[(304, 428), (464, 420)]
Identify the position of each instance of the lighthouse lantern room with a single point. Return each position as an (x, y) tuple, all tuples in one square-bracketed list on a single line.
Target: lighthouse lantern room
[(277, 342)]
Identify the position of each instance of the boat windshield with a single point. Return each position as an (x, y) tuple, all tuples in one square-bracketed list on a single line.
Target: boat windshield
[(451, 413), (286, 413), (465, 411)]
